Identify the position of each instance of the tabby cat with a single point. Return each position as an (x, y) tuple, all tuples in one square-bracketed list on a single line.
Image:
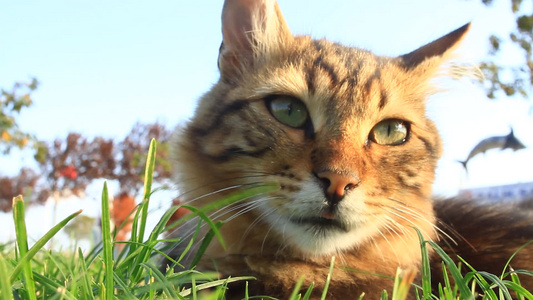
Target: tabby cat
[(344, 134)]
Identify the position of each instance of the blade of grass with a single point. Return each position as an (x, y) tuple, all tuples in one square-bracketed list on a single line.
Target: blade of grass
[(39, 245), (137, 230), (512, 256), (519, 289), (5, 285), (296, 290), (402, 283), (160, 226), (74, 271), (143, 211), (167, 286), (516, 280), (123, 286), (205, 243), (447, 289), (215, 283), (480, 280), (426, 270), (309, 291), (200, 213), (152, 290), (442, 293), (464, 291), (498, 282), (194, 291), (519, 271), (54, 286), (134, 231), (85, 282), (128, 261), (188, 247), (146, 252), (22, 243), (328, 278), (129, 220), (148, 178), (57, 263), (108, 245)]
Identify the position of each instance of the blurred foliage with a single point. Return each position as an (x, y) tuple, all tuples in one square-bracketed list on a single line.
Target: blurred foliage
[(131, 156), (11, 103), (511, 79), (72, 163), (22, 184)]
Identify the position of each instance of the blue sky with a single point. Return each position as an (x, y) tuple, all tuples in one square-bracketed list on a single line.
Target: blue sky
[(103, 65)]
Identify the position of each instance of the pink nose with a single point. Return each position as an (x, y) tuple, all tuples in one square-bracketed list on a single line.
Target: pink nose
[(337, 184)]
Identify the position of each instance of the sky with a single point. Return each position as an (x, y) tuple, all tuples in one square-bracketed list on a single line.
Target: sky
[(103, 65)]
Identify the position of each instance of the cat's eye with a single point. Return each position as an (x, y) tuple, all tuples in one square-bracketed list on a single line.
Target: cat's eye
[(390, 132), (288, 110)]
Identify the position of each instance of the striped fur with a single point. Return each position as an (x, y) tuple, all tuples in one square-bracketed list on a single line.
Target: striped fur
[(233, 140)]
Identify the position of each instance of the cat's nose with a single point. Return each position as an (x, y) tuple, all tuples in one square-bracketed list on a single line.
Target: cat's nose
[(337, 184)]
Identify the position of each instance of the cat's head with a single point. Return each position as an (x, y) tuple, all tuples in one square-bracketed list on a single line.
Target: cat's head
[(343, 132)]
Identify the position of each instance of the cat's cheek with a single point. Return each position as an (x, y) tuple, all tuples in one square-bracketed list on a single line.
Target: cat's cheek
[(297, 136)]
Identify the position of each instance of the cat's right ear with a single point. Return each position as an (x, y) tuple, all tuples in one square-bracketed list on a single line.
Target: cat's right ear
[(252, 30), (428, 57)]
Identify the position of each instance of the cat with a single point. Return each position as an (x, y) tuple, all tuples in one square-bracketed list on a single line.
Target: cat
[(344, 134)]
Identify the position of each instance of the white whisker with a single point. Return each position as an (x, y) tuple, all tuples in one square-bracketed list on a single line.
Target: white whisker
[(413, 212)]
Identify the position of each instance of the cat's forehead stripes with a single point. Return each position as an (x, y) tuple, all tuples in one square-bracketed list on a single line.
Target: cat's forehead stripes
[(321, 63), (338, 82)]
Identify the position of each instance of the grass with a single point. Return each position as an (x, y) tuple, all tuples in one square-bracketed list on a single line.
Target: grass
[(36, 273)]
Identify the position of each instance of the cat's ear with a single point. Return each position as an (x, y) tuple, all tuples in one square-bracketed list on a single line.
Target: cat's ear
[(251, 30), (435, 52)]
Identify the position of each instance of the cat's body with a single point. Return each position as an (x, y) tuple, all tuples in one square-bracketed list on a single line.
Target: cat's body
[(344, 134)]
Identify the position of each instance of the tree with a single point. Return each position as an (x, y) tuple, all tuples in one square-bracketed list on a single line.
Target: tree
[(71, 164), (132, 156), (11, 103), (22, 184), (517, 79)]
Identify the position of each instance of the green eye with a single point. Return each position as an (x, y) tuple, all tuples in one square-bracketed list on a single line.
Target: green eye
[(390, 132), (289, 111)]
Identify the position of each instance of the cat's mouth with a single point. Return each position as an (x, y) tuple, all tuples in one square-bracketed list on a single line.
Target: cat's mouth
[(320, 222)]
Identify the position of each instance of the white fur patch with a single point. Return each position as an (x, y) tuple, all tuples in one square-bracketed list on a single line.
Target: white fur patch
[(314, 239)]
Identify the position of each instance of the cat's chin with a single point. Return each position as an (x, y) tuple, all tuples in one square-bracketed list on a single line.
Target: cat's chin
[(316, 236), (321, 225)]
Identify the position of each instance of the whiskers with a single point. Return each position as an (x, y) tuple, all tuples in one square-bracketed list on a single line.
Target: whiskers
[(405, 208), (228, 211), (249, 174), (234, 186), (396, 220), (400, 217)]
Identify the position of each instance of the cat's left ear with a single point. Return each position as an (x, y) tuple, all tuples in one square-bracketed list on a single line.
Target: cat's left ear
[(251, 30), (432, 54)]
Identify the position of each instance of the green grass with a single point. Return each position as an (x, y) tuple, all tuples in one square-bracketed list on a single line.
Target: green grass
[(36, 273)]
